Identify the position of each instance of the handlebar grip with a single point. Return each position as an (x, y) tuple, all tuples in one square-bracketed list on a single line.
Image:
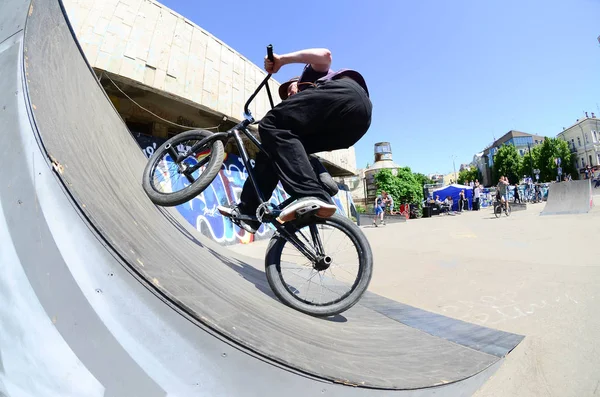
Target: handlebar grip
[(270, 52)]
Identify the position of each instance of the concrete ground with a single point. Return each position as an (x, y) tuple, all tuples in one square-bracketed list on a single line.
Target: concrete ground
[(533, 275)]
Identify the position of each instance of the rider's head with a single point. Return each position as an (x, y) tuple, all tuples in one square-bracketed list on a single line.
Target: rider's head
[(289, 88)]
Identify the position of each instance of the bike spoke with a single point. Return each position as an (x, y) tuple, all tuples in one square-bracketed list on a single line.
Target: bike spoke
[(200, 163), (334, 285)]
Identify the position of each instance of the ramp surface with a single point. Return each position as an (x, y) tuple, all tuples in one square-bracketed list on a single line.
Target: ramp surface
[(572, 197), (133, 300)]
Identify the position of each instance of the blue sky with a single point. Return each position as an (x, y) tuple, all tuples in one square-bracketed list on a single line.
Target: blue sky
[(445, 77)]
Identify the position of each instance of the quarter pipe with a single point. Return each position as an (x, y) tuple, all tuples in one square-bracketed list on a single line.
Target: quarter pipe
[(104, 294)]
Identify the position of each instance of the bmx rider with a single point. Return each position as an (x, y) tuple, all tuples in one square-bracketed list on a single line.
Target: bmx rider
[(321, 110)]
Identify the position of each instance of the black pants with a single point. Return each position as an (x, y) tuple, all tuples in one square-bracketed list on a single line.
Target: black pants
[(333, 115)]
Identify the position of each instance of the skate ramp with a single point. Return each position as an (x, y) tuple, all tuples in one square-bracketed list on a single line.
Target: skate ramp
[(105, 294), (572, 197)]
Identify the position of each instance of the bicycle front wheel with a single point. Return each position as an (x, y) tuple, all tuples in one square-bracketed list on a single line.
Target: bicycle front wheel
[(497, 210), (169, 180), (332, 282)]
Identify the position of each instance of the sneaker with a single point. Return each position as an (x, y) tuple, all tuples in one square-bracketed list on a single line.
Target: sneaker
[(233, 212), (306, 205), (375, 223)]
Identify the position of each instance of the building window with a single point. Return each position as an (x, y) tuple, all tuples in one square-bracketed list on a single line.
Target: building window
[(578, 141), (582, 162), (586, 138), (573, 142), (590, 156), (598, 158), (577, 163), (594, 136)]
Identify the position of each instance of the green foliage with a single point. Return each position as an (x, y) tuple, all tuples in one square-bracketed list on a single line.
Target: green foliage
[(360, 209), (404, 187), (423, 179), (469, 174), (507, 162), (549, 150), (531, 161)]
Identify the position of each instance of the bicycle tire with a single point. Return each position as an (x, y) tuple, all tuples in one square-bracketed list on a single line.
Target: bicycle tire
[(276, 282), (498, 211), (171, 199)]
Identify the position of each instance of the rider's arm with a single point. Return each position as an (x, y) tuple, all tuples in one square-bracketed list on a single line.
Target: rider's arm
[(318, 58)]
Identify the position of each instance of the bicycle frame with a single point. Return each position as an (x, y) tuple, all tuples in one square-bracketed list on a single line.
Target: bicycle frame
[(235, 133)]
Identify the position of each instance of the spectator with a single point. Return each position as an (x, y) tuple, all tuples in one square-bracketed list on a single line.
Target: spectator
[(380, 203), (517, 196), (476, 194)]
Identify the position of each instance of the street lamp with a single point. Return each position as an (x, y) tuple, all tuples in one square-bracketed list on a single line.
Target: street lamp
[(454, 165)]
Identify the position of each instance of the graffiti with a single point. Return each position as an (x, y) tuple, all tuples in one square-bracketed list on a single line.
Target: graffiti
[(201, 212)]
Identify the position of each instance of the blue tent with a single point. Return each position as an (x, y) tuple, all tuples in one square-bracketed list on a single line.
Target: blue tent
[(454, 191)]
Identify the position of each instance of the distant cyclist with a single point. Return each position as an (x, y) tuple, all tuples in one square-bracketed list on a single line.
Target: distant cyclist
[(322, 110), (502, 191)]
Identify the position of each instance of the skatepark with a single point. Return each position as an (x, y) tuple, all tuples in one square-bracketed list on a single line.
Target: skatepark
[(105, 294), (528, 274)]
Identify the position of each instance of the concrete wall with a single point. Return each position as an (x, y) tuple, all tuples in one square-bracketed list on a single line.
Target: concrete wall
[(149, 43)]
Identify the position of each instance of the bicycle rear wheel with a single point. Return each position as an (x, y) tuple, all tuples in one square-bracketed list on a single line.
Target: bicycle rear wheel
[(169, 181), (339, 277)]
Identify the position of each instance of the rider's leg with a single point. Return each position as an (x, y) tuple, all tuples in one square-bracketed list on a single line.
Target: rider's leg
[(332, 116), (266, 182)]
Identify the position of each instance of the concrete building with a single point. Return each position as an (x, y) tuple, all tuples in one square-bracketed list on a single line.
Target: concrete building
[(583, 138), (383, 160), (164, 74), (521, 140)]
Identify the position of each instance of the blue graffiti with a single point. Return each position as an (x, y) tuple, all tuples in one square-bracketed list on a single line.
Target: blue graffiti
[(201, 212)]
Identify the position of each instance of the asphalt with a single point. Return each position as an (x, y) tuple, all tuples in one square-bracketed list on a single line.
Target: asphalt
[(533, 275)]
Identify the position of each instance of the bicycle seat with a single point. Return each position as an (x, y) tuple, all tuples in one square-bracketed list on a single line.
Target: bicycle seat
[(324, 177)]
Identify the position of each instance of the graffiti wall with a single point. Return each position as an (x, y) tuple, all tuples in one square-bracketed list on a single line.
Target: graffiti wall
[(201, 212)]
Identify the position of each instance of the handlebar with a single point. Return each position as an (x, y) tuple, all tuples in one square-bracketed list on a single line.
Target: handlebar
[(247, 113)]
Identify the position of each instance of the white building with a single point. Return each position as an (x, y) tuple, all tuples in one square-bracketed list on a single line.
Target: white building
[(583, 138)]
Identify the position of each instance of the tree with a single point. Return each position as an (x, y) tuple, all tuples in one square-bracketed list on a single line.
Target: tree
[(549, 150), (404, 186), (423, 179), (507, 162), (531, 161), (468, 174)]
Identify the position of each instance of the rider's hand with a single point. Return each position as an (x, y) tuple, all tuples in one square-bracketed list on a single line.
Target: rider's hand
[(273, 67)]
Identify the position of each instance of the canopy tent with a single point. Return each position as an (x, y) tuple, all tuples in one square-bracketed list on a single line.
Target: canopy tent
[(454, 191)]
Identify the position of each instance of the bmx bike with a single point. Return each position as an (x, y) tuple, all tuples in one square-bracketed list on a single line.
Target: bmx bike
[(499, 207), (186, 164)]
